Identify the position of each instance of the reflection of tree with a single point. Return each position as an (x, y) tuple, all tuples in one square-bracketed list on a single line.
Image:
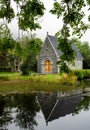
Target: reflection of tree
[(83, 105), (27, 108), (5, 117)]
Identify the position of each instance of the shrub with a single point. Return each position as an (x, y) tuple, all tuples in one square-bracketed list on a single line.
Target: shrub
[(82, 74), (24, 69), (64, 68), (86, 74), (79, 74)]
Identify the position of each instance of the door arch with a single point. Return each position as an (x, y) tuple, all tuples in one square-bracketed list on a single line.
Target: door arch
[(48, 66)]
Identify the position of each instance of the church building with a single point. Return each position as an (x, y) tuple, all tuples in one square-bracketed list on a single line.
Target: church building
[(49, 55)]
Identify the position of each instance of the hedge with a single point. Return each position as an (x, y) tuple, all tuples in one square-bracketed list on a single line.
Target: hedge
[(82, 74)]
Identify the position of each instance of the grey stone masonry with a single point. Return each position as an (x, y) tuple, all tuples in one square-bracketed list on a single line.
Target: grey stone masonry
[(47, 53)]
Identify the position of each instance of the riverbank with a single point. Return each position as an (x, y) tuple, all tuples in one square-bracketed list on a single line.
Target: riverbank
[(15, 82)]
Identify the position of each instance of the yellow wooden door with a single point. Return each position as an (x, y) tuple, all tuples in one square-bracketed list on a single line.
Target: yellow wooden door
[(48, 66)]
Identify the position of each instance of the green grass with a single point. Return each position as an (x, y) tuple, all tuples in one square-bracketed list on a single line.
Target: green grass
[(15, 82)]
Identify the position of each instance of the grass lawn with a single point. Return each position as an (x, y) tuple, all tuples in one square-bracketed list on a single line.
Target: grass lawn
[(15, 82)]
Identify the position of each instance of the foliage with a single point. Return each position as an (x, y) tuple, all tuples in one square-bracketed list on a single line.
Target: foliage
[(68, 55), (84, 104), (30, 49), (79, 74), (24, 69), (7, 45), (29, 12), (63, 67), (85, 51), (13, 53), (72, 15), (26, 108), (82, 74), (6, 11)]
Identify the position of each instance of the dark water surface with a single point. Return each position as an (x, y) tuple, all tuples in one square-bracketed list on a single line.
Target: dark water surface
[(45, 111)]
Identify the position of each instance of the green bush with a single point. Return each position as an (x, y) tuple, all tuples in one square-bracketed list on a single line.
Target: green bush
[(82, 74), (24, 69), (86, 74), (64, 68)]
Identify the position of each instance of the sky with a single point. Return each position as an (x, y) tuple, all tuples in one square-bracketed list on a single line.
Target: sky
[(48, 22)]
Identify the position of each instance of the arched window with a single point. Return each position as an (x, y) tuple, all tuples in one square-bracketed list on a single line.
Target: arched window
[(48, 66)]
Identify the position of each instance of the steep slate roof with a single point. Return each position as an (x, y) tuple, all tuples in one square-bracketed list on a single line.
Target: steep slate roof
[(53, 40)]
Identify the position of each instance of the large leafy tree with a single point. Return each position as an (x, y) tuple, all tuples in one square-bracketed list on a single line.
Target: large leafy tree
[(28, 12), (30, 49), (72, 14), (6, 45), (6, 11)]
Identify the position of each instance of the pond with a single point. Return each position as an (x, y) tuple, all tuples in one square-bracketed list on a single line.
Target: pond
[(45, 111)]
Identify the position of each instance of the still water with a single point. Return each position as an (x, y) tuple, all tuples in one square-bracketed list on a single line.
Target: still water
[(45, 111)]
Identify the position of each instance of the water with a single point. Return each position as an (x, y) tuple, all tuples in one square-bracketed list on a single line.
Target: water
[(45, 111)]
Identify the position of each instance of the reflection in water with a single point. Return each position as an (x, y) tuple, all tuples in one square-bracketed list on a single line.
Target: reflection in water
[(26, 108), (20, 110), (54, 106)]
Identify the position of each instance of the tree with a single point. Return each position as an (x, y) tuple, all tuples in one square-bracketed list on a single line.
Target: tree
[(85, 51), (6, 11), (30, 49), (30, 11), (28, 14), (72, 16), (26, 108), (7, 44)]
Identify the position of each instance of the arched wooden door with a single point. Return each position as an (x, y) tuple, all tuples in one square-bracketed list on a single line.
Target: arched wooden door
[(48, 66)]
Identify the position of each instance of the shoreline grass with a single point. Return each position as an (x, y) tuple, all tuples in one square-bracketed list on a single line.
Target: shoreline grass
[(15, 82)]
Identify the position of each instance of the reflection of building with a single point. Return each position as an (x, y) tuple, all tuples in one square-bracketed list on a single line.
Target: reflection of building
[(53, 107)]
